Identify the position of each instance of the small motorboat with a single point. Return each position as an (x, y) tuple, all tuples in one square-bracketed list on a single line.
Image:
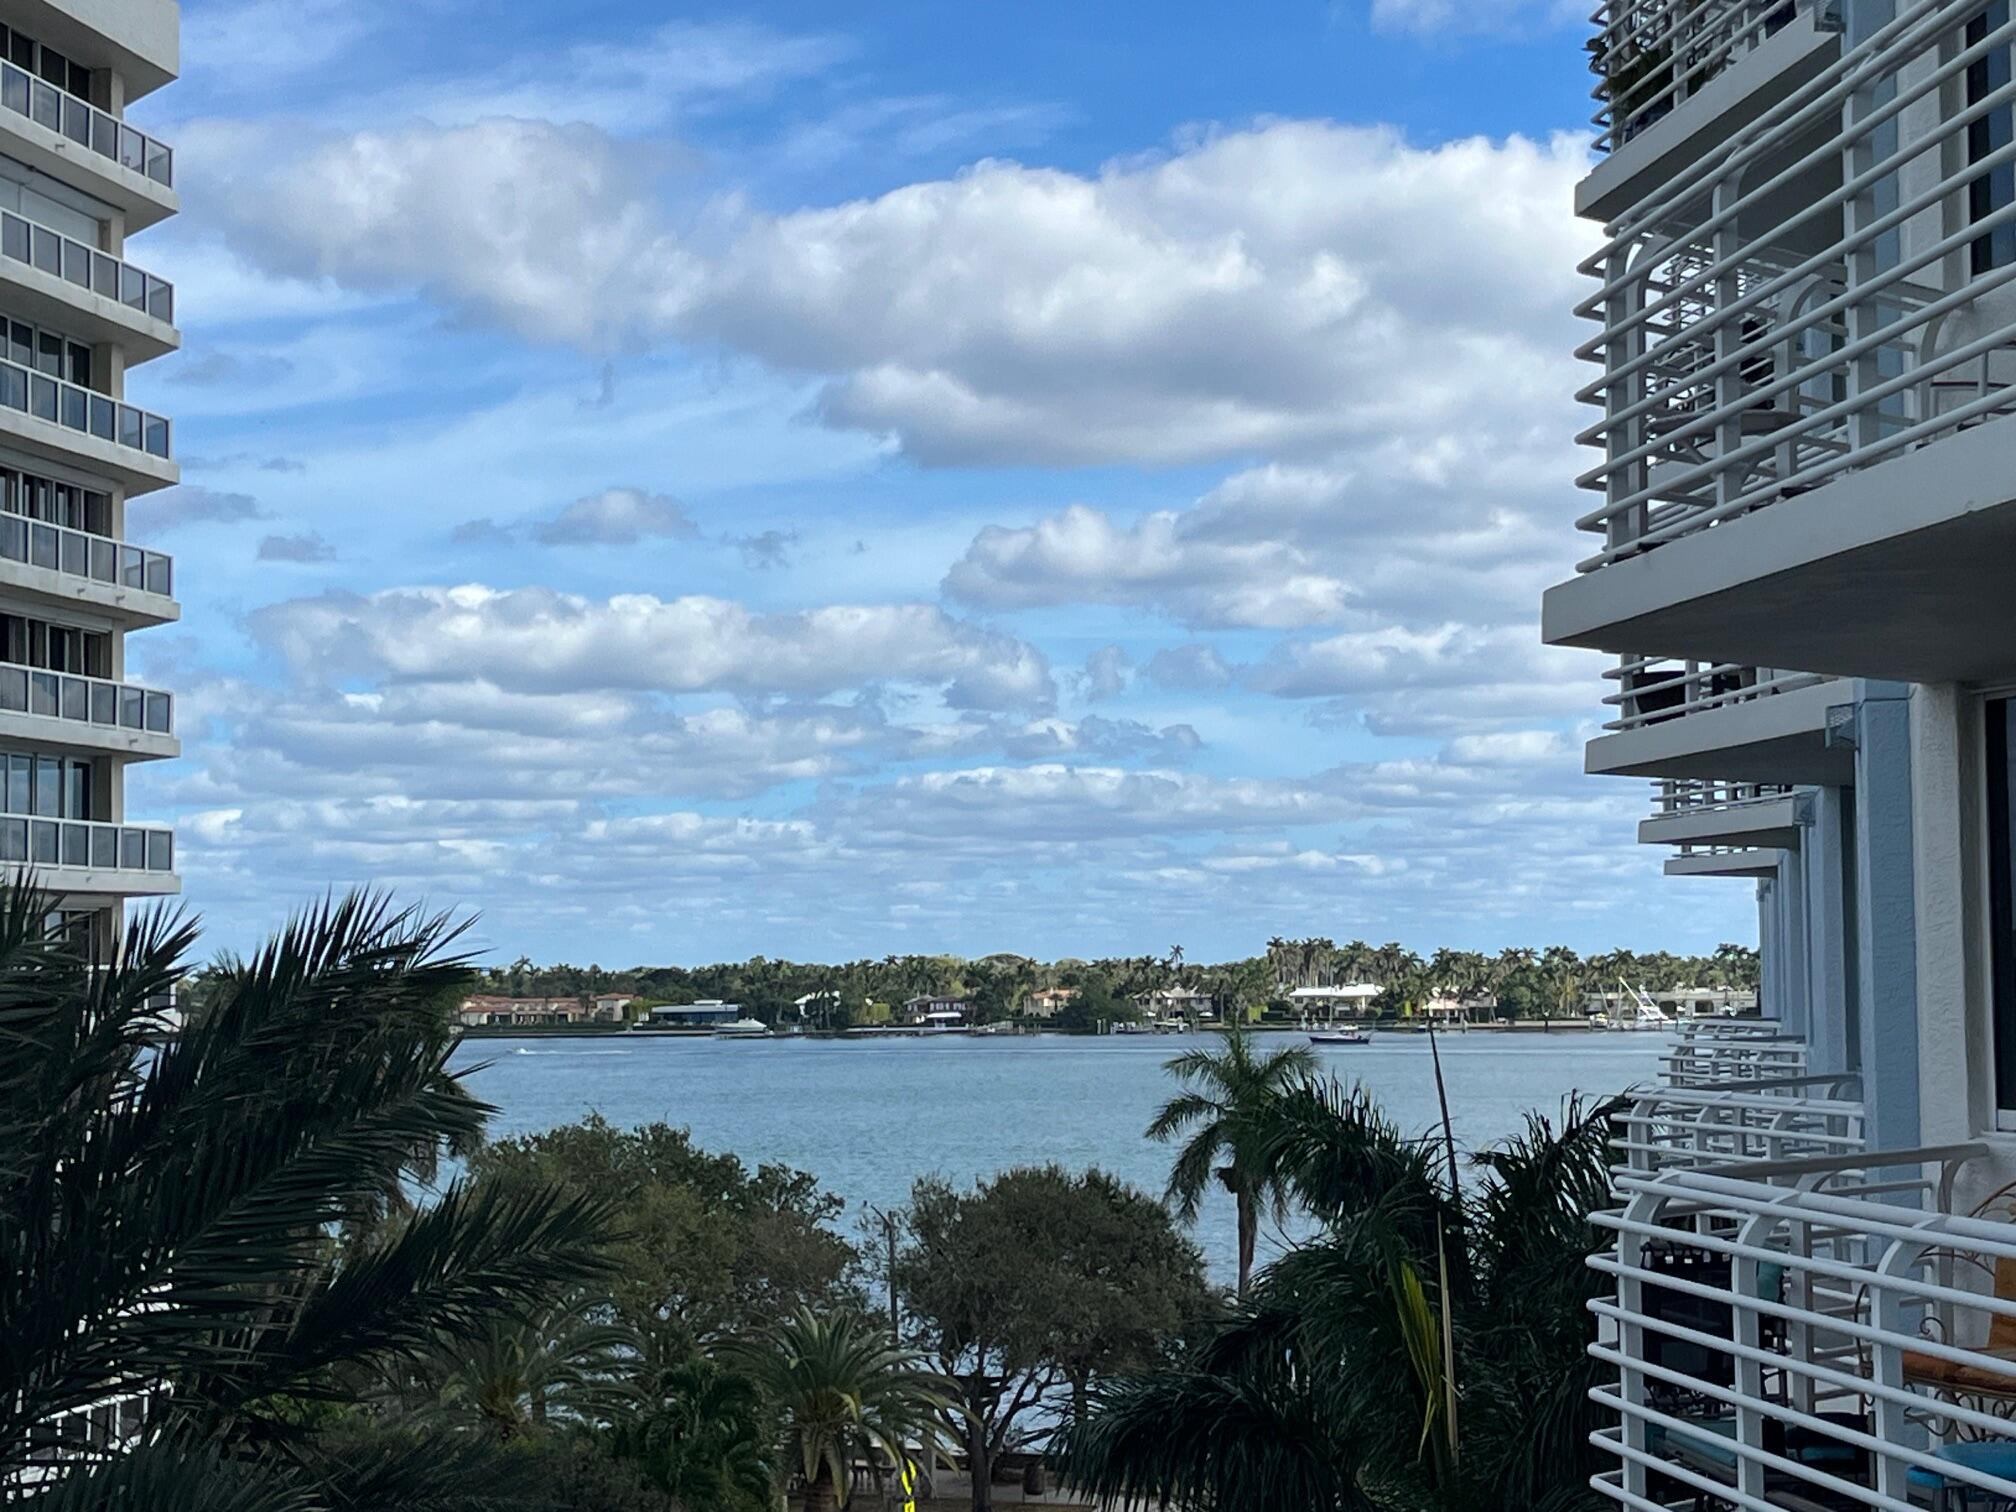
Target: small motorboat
[(1342, 1037)]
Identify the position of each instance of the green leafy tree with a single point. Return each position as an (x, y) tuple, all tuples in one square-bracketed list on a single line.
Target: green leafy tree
[(1224, 1110), (168, 1212), (704, 1436), (713, 1248)]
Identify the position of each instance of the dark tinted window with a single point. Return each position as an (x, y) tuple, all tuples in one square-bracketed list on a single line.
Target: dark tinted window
[(1996, 189)]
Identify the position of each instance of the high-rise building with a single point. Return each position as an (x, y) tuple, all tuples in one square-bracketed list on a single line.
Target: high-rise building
[(76, 315), (1803, 555)]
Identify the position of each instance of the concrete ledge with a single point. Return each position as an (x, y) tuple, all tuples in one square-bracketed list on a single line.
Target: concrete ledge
[(1898, 572), (141, 39), (76, 311), (89, 888), (1750, 864), (1732, 100), (45, 733), (1766, 824), (144, 202), (133, 608), (133, 470), (1781, 738)]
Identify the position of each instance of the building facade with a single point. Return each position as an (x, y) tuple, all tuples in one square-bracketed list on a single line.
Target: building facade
[(1803, 329), (76, 316)]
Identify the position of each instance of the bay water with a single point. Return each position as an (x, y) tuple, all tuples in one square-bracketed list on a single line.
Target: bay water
[(868, 1116)]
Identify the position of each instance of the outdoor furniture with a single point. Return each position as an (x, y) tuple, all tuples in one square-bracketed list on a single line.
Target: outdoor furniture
[(1989, 1456)]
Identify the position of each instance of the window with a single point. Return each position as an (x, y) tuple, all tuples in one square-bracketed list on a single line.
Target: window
[(47, 63), (2000, 719), (54, 503), (49, 787), (54, 648), (1996, 189), (49, 352)]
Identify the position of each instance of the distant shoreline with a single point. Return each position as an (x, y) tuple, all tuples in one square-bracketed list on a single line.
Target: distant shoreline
[(1569, 1027)]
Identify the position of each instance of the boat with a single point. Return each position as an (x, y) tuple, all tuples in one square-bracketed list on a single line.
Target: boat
[(747, 1028), (1342, 1037)]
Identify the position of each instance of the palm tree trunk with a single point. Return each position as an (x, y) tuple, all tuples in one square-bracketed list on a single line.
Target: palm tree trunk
[(822, 1495), (1249, 1237)]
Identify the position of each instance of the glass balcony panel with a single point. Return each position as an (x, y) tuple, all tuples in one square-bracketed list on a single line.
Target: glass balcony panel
[(161, 850), (104, 420), (14, 690), (157, 436), (44, 695), (132, 287), (104, 703), (105, 559), (42, 847), (77, 120), (77, 699), (14, 388), (160, 163), (76, 845), (104, 135), (13, 538), (129, 426), (161, 300), (14, 89), (45, 105), (104, 846), (41, 396), (131, 710), (132, 850), (160, 574), (43, 549), (15, 238), (105, 275), (160, 713), (132, 149), (131, 567), (46, 249), (14, 840), (76, 263), (76, 552)]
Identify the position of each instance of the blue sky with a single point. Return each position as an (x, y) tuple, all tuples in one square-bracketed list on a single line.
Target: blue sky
[(691, 482)]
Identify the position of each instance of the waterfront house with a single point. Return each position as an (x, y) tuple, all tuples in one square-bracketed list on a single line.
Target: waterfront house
[(1048, 1002), (1350, 998), (708, 1013), (1177, 1002), (613, 1007), (1801, 533), (483, 1011), (928, 1009)]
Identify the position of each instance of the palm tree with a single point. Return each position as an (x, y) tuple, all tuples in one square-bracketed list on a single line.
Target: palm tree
[(845, 1388), (704, 1439), (169, 1207), (521, 1373), (1335, 1383), (1228, 1097)]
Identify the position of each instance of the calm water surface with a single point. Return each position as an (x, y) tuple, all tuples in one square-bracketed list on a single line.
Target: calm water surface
[(868, 1116)]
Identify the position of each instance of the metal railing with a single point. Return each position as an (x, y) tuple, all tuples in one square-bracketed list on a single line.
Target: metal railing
[(85, 700), (1771, 321), (85, 124), (1746, 1120), (1720, 1052), (1650, 56), (78, 263), (84, 555), (1786, 1335), (81, 409), (78, 843), (1651, 690), (1675, 796)]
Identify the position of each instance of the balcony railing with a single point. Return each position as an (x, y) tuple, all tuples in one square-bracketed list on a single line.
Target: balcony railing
[(1677, 796), (85, 124), (80, 844), (85, 266), (85, 700), (82, 409), (87, 556), (1649, 56), (1746, 1120), (1809, 1334), (1720, 1052), (1770, 323), (1652, 690)]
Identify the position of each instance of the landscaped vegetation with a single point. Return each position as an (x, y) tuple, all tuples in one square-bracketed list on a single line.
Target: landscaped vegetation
[(270, 1261)]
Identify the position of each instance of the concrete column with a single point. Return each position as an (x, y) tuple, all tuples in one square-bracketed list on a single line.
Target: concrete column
[(1955, 1108), (1792, 974), (1886, 913), (1822, 817), (1767, 948)]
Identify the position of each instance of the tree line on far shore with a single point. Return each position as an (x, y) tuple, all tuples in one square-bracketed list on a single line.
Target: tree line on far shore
[(1523, 983)]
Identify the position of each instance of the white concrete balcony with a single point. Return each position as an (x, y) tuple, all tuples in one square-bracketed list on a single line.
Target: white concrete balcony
[(1809, 1334), (1781, 1118), (64, 568), (78, 857), (1805, 378), (1745, 862), (1674, 78), (1693, 812), (55, 132), (1718, 721), (58, 281), (86, 714), (65, 423)]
